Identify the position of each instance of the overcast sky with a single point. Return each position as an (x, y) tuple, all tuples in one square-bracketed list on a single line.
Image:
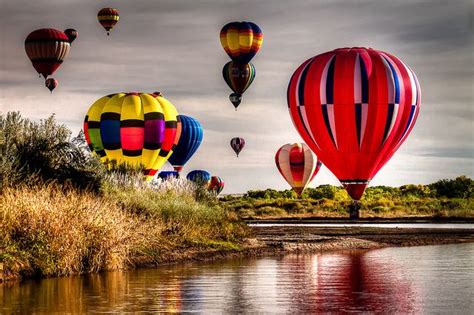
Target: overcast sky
[(173, 46)]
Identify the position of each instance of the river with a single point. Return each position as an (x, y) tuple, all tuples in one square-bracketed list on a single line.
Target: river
[(427, 279)]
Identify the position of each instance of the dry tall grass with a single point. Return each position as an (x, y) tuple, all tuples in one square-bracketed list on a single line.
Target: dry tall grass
[(55, 230)]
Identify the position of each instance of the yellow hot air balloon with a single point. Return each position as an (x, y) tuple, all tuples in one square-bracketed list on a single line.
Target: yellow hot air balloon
[(133, 128)]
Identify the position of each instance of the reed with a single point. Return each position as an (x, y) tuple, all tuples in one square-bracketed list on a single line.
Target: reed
[(55, 230)]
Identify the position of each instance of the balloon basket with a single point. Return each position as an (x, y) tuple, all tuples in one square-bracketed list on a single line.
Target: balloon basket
[(354, 210)]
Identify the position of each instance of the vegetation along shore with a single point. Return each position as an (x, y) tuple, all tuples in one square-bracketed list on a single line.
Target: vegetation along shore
[(63, 213)]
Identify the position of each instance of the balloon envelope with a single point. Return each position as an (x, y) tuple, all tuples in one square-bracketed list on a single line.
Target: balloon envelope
[(297, 164), (241, 40), (51, 84), (133, 128), (354, 107), (164, 175), (235, 99), (216, 185), (189, 142), (237, 145), (71, 34), (238, 77), (108, 17), (199, 177), (47, 48)]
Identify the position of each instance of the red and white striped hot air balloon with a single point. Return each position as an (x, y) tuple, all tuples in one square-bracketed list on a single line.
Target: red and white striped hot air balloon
[(354, 107), (297, 164), (47, 48)]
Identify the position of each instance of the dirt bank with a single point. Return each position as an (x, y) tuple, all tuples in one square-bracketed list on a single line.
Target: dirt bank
[(323, 238), (279, 240), (285, 239)]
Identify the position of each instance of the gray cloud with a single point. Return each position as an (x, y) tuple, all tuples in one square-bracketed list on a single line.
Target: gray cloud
[(173, 46)]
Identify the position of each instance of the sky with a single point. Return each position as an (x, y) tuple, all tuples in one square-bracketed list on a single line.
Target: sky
[(173, 46)]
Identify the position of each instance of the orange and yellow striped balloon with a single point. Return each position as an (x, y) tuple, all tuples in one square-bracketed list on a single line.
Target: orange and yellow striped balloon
[(241, 40), (108, 17)]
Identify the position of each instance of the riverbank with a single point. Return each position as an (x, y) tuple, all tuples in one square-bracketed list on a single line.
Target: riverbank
[(276, 240), (280, 239)]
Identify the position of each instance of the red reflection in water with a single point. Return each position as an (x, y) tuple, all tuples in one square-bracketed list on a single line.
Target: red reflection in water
[(348, 282)]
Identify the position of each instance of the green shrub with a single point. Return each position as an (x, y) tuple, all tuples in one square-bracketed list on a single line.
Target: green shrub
[(322, 191), (270, 211), (420, 191), (461, 187), (44, 151)]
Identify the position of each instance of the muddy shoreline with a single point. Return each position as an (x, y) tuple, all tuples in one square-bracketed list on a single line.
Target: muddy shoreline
[(281, 240)]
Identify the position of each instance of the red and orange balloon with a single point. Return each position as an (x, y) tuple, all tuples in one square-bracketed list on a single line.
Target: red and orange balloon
[(297, 164)]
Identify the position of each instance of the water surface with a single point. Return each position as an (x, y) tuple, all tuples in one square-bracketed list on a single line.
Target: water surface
[(429, 279), (469, 226)]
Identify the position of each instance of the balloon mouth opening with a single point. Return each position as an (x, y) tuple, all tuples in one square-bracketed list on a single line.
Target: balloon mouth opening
[(355, 188), (298, 190)]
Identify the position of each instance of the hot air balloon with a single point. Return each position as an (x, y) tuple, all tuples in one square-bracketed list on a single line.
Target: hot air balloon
[(47, 48), (51, 84), (297, 164), (164, 175), (71, 34), (354, 107), (241, 41), (237, 145), (133, 128), (189, 142), (238, 77), (235, 99), (216, 185), (108, 17), (199, 177)]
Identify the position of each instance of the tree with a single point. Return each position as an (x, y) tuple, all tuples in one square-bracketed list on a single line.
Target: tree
[(461, 187)]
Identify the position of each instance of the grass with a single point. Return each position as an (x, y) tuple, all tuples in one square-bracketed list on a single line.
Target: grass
[(54, 231)]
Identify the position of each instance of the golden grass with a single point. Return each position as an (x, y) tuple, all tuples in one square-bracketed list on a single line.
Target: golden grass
[(53, 230)]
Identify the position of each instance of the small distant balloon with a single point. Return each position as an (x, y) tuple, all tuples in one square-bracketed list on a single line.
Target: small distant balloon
[(199, 177), (297, 164), (216, 185), (47, 48), (71, 34), (235, 99), (237, 145), (108, 17), (241, 40), (164, 175), (238, 77), (51, 84), (191, 137)]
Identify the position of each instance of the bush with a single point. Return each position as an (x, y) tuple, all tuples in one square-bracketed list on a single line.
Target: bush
[(322, 191), (44, 151), (420, 191), (461, 187)]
